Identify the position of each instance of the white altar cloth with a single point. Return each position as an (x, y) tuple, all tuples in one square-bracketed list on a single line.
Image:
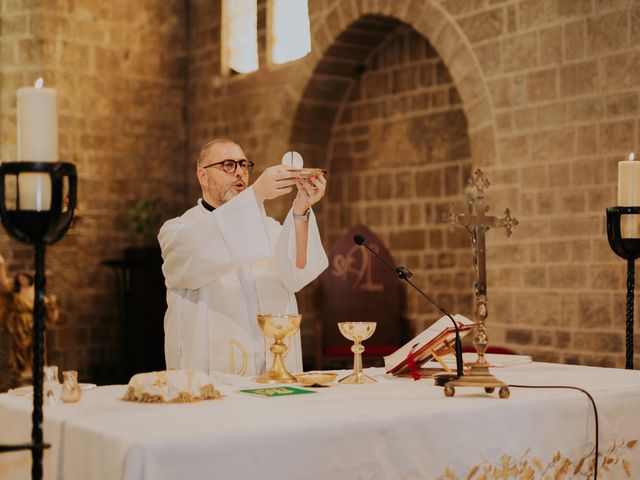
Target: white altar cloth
[(396, 428)]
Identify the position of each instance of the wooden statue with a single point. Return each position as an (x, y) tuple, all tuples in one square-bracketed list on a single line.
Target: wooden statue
[(16, 318)]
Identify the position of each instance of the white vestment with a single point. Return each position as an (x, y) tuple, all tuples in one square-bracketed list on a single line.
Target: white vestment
[(221, 269)]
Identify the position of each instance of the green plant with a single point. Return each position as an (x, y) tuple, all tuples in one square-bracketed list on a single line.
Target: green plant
[(144, 219)]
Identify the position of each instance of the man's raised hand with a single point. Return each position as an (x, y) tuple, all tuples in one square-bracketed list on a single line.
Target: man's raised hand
[(310, 191), (274, 182)]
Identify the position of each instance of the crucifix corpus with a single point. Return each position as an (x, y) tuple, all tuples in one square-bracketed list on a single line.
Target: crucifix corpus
[(477, 223)]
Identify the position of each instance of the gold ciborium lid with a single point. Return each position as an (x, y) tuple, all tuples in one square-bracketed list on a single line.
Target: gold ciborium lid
[(278, 326)]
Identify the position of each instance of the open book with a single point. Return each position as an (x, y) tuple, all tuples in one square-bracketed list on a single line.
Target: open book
[(438, 339)]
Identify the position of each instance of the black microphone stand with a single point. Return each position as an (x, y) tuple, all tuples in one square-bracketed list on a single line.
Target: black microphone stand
[(405, 274)]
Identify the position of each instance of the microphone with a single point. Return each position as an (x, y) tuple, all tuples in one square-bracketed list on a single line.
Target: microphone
[(405, 274)]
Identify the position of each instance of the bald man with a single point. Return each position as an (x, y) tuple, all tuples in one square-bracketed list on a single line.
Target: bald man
[(225, 261)]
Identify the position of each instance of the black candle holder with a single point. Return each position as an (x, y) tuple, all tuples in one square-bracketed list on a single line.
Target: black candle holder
[(39, 228), (629, 249)]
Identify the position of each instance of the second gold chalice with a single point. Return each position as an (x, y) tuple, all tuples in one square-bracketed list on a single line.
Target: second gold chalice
[(357, 332), (278, 326)]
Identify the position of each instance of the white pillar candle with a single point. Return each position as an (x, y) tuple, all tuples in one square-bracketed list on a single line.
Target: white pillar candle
[(37, 128), (629, 195)]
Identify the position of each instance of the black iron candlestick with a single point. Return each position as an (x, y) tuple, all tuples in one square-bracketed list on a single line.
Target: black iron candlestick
[(39, 228), (629, 249)]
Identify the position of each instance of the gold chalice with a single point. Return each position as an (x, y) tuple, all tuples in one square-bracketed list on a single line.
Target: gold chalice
[(278, 326), (357, 332)]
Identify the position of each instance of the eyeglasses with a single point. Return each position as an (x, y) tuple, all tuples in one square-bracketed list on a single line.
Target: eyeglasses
[(230, 166)]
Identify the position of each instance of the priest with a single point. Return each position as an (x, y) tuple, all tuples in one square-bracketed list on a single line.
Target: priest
[(225, 261)]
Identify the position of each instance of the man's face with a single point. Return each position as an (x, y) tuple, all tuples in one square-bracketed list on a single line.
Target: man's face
[(218, 186)]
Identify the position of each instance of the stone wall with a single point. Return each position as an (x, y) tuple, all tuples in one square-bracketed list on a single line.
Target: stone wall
[(119, 68), (399, 152), (549, 94), (565, 112)]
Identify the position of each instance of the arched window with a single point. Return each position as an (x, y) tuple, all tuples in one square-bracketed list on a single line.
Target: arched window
[(290, 36), (240, 35)]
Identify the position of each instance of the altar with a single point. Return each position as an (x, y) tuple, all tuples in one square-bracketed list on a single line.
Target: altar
[(395, 428)]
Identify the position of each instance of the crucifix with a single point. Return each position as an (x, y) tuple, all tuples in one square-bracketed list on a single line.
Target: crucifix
[(477, 223)]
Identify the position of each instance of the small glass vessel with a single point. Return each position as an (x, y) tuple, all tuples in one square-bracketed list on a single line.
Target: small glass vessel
[(71, 391), (51, 387)]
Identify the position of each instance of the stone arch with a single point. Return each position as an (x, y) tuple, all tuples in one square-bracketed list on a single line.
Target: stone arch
[(345, 39), (325, 75)]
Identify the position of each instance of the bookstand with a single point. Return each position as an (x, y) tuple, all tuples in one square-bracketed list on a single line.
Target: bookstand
[(433, 343), (426, 372), (437, 356), (629, 249)]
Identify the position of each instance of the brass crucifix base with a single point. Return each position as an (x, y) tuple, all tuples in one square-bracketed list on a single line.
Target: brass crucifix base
[(478, 376)]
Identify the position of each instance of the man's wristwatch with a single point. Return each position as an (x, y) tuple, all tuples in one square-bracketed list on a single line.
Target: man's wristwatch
[(304, 216)]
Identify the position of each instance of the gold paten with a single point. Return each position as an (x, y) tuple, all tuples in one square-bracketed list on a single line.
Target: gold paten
[(357, 332), (477, 223), (311, 379), (309, 172), (278, 326)]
